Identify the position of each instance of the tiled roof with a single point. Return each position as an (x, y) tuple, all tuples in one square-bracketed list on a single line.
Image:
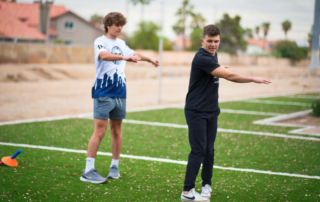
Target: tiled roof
[(179, 42), (11, 27), (21, 19), (264, 44)]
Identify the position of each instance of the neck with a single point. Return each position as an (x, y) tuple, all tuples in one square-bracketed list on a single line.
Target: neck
[(110, 36), (209, 52)]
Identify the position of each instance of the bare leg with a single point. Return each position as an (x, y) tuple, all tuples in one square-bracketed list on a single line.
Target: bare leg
[(100, 127), (116, 142)]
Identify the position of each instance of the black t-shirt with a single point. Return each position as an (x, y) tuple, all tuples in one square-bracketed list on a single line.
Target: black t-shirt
[(203, 87)]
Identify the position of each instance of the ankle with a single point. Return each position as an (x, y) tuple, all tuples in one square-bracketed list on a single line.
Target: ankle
[(186, 192)]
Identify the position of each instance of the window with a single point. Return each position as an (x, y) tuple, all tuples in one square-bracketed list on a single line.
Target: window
[(69, 25)]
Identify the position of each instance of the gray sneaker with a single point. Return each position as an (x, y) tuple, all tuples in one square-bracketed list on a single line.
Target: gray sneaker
[(114, 173), (93, 176)]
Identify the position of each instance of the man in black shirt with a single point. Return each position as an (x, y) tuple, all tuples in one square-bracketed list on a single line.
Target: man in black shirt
[(202, 110)]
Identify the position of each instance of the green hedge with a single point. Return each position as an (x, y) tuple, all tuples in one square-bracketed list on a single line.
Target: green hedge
[(315, 105)]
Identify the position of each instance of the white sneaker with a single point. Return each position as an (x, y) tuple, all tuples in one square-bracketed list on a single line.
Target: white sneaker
[(206, 191), (193, 196)]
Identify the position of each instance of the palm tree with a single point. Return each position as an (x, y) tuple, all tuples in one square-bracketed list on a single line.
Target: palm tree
[(257, 29), (180, 26), (265, 26), (142, 2), (197, 20), (286, 26)]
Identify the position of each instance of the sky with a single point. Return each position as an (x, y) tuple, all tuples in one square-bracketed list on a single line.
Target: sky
[(252, 12)]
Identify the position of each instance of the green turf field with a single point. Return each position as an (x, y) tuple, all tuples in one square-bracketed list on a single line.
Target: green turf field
[(51, 175)]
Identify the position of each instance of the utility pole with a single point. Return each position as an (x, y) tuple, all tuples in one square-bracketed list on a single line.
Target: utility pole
[(160, 52), (314, 63)]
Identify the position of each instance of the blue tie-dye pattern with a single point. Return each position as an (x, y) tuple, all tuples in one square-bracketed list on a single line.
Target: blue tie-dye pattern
[(111, 87)]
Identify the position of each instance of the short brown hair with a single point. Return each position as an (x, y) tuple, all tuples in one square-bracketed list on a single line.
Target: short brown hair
[(113, 18), (210, 30)]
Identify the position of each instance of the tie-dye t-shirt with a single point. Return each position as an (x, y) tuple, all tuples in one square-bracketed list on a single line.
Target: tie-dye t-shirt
[(110, 78)]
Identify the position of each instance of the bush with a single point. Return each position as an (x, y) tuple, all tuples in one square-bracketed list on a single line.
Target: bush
[(289, 49), (146, 37), (315, 105), (195, 37)]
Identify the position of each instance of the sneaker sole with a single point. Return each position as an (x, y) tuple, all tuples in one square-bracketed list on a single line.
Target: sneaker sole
[(115, 178), (91, 181), (194, 200)]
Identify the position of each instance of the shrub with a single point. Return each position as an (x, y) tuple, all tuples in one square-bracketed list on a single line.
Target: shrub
[(289, 49), (315, 105)]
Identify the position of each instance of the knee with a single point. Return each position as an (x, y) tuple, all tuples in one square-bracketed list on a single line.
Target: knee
[(116, 134), (209, 151), (99, 134), (198, 151)]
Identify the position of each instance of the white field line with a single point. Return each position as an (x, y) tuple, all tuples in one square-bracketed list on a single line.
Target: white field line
[(300, 131), (222, 130), (233, 111), (264, 96), (305, 96), (249, 112), (46, 119), (278, 102), (273, 122), (133, 110), (158, 160), (146, 108)]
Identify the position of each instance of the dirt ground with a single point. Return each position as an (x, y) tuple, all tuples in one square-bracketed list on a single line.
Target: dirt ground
[(29, 91)]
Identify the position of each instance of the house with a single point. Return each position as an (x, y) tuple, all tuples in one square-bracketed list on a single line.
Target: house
[(259, 46), (20, 23), (178, 43)]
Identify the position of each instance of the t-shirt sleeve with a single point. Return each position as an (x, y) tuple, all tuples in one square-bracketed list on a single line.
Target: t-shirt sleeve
[(98, 48), (207, 64), (128, 51)]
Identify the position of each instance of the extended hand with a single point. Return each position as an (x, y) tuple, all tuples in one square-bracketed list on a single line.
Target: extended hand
[(131, 58), (261, 80), (154, 62)]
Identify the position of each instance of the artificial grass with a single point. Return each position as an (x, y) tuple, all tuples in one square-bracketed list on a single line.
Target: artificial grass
[(232, 150), (225, 120), (54, 175), (44, 175)]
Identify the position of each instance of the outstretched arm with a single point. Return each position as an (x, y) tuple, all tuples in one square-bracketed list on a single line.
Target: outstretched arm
[(222, 72), (104, 55), (144, 58)]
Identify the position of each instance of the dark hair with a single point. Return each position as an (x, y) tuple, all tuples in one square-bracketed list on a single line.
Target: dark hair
[(210, 30), (113, 18)]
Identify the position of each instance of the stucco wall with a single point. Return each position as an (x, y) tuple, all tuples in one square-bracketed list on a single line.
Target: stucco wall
[(42, 53)]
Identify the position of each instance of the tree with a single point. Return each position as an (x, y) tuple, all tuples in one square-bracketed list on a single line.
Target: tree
[(231, 34), (142, 2), (286, 26), (180, 27), (257, 29), (195, 37), (146, 37), (197, 20), (289, 49), (197, 25), (97, 19), (265, 26), (248, 33)]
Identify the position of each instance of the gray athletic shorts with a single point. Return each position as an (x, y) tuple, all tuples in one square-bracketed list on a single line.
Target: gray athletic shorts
[(109, 107)]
